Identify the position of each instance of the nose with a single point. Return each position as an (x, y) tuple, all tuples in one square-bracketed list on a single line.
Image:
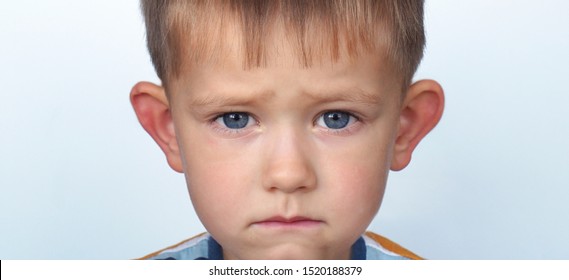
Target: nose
[(288, 167)]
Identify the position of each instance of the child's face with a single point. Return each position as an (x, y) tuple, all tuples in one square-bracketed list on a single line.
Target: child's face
[(284, 162)]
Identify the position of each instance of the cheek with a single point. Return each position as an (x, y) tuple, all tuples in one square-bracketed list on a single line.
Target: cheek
[(219, 178), (359, 189), (358, 174)]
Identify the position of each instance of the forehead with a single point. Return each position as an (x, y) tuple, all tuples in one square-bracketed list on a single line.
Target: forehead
[(225, 64), (364, 78), (344, 71)]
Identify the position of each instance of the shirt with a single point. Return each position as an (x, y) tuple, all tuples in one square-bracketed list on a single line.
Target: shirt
[(369, 246)]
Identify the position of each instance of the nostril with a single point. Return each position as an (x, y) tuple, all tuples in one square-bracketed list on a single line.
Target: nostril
[(288, 167)]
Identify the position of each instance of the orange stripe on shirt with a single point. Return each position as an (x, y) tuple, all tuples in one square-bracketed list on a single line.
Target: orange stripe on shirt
[(170, 247), (392, 246)]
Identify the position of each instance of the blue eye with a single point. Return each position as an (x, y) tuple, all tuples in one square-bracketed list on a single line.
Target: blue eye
[(236, 120), (335, 119)]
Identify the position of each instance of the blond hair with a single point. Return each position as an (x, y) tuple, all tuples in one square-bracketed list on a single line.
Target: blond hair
[(195, 30)]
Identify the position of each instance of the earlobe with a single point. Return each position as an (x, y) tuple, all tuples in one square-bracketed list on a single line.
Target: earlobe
[(420, 112), (153, 112)]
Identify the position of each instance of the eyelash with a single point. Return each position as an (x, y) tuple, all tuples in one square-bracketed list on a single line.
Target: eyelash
[(241, 131), (231, 131), (347, 130)]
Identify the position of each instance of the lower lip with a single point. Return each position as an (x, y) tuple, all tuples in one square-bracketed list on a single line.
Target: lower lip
[(295, 224)]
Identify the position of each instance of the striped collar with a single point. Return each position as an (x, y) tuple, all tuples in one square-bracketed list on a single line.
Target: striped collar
[(204, 247)]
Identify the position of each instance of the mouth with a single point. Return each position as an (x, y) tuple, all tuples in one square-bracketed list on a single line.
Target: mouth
[(291, 222)]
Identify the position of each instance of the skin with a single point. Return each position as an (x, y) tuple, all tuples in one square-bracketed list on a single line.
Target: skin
[(286, 162)]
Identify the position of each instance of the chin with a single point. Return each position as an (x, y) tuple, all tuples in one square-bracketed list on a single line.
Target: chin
[(291, 252)]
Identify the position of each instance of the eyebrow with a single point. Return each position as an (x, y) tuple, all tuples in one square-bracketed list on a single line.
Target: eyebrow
[(221, 99), (354, 94)]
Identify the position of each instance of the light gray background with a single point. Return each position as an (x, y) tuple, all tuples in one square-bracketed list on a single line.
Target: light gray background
[(80, 179)]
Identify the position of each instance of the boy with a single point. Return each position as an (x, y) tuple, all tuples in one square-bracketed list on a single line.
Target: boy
[(285, 118)]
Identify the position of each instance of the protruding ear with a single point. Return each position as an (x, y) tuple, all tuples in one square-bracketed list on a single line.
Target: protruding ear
[(420, 112), (153, 111)]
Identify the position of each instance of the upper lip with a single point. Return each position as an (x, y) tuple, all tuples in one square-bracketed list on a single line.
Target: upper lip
[(282, 219)]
